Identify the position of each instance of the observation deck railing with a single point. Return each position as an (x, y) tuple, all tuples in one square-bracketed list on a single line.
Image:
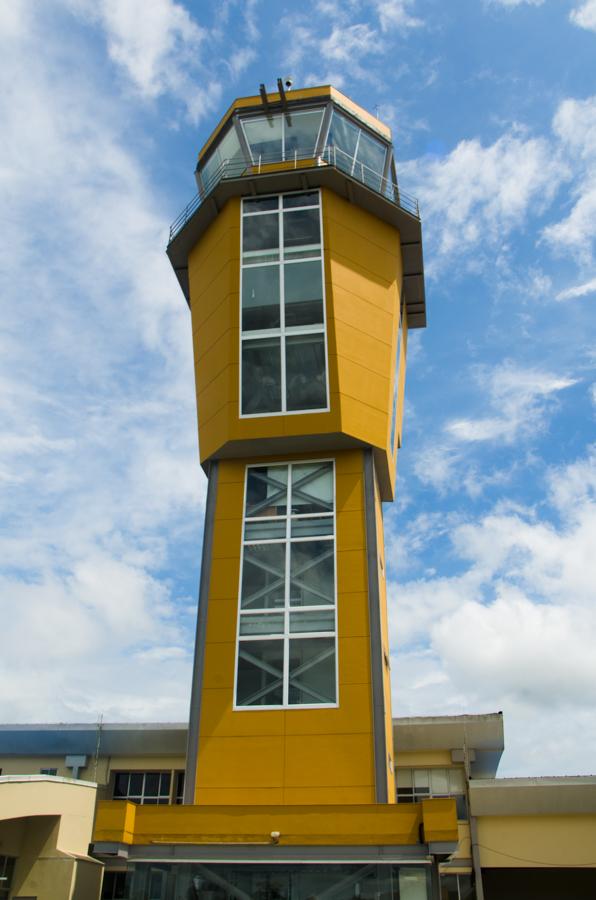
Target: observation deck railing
[(331, 156)]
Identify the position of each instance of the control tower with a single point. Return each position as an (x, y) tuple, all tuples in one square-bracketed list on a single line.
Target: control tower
[(301, 261)]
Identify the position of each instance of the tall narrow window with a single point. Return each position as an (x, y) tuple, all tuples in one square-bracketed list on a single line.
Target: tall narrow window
[(287, 613), (392, 443), (283, 346)]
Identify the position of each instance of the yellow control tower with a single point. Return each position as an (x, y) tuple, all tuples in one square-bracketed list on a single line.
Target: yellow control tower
[(302, 265), (301, 261)]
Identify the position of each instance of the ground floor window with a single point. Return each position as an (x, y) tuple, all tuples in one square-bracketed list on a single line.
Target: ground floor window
[(6, 872), (457, 887), (114, 886), (277, 881)]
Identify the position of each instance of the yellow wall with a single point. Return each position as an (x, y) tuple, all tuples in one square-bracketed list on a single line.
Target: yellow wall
[(294, 756), (312, 825), (531, 841), (362, 274)]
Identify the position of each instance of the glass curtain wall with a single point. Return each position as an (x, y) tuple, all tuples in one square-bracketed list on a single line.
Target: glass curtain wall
[(283, 353), (284, 136), (287, 623), (281, 881)]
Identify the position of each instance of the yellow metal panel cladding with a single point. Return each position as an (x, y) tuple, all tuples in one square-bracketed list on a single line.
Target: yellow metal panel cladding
[(326, 752), (333, 824), (439, 819), (363, 272)]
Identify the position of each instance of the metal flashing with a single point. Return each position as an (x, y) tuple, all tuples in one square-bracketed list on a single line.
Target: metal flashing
[(192, 749), (376, 644)]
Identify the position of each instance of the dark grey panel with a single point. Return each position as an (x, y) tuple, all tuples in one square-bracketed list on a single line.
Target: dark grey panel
[(376, 644), (197, 674)]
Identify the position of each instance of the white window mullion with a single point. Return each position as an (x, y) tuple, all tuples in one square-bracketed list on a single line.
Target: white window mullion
[(287, 591), (282, 310)]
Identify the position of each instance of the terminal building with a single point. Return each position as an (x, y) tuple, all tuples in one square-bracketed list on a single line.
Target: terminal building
[(301, 261)]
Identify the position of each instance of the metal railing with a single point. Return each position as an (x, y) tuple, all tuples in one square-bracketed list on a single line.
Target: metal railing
[(331, 156)]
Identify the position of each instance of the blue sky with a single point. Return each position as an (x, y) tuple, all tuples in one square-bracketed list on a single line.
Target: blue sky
[(491, 543)]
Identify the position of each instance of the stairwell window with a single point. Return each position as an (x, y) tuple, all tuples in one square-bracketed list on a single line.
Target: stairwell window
[(286, 653), (283, 336)]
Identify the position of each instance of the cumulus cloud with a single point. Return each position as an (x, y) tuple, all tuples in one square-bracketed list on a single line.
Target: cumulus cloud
[(515, 628), (519, 398), (477, 195), (101, 488), (578, 290), (574, 125), (584, 15)]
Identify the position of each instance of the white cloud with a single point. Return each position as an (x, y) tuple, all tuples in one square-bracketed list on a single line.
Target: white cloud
[(520, 400), (515, 628), (101, 488), (351, 42), (513, 3), (574, 125), (578, 290), (584, 15), (477, 195), (395, 14)]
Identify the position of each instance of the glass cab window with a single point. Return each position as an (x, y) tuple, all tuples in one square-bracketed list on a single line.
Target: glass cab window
[(283, 136), (283, 346)]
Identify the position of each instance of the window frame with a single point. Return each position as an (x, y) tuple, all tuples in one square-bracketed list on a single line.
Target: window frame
[(287, 609), (131, 798), (283, 157), (282, 332), (416, 795)]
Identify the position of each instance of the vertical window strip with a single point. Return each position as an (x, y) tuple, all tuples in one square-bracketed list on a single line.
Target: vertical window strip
[(261, 343), (277, 619)]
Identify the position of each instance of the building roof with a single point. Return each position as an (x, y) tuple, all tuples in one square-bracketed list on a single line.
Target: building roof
[(553, 795), (112, 739), (481, 736)]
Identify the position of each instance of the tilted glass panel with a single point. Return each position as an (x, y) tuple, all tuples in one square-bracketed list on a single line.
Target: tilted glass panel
[(343, 135), (260, 237), (311, 676), (263, 576), (303, 293), (301, 228), (312, 488), (306, 386), (301, 130), (260, 673), (264, 137), (310, 621), (272, 623), (312, 576), (260, 297), (371, 158), (227, 157), (266, 491), (261, 375)]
